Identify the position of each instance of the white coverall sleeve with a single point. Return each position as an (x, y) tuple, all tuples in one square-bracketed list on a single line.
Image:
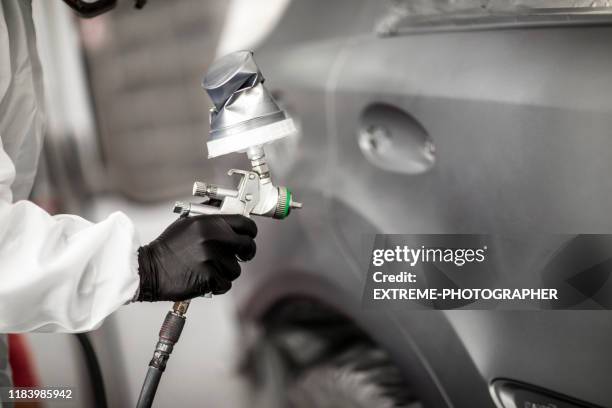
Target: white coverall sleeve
[(60, 273)]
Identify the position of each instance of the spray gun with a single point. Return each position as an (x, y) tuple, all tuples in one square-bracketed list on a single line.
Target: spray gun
[(244, 118)]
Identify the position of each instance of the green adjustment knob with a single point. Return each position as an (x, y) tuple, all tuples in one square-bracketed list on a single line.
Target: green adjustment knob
[(285, 203)]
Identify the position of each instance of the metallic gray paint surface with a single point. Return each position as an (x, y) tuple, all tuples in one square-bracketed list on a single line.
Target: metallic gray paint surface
[(521, 122)]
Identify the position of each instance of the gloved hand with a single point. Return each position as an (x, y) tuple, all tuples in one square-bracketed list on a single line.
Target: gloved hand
[(195, 256)]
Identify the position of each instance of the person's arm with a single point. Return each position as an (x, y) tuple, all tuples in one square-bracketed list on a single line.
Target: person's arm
[(60, 273), (63, 273)]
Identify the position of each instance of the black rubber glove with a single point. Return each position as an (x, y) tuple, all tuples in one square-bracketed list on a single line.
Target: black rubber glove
[(195, 256)]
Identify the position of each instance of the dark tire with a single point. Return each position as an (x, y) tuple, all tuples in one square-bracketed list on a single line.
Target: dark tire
[(362, 378), (310, 357)]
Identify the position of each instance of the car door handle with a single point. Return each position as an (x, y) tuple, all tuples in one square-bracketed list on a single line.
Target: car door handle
[(394, 140)]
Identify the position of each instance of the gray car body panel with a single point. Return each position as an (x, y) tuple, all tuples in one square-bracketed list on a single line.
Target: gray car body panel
[(521, 120)]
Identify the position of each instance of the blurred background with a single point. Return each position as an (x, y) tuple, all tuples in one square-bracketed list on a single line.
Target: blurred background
[(122, 89), (413, 116)]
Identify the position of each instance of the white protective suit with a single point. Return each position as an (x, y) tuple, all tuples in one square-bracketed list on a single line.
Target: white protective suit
[(57, 273)]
